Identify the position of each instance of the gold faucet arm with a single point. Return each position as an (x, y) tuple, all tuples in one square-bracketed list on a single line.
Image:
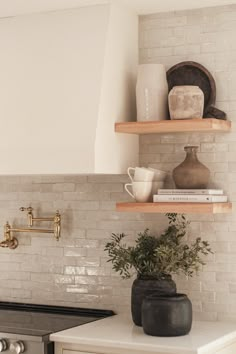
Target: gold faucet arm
[(32, 219), (12, 243)]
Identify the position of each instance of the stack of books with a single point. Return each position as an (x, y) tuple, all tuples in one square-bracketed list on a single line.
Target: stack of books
[(190, 196)]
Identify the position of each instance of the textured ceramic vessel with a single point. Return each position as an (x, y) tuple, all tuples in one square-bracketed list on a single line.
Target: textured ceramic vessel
[(167, 316), (151, 93), (144, 287), (191, 173), (186, 102)]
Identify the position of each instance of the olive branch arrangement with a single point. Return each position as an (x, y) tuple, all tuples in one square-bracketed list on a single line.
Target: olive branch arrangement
[(158, 257)]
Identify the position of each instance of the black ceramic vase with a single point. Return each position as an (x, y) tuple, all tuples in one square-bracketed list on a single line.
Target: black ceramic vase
[(142, 288), (167, 316)]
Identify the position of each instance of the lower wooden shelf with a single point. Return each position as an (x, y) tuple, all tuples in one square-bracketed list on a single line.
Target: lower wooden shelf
[(180, 208)]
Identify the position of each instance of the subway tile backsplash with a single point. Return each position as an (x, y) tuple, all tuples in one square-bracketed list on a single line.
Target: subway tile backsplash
[(74, 271)]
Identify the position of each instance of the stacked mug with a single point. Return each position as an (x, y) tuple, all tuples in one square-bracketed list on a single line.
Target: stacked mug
[(145, 183)]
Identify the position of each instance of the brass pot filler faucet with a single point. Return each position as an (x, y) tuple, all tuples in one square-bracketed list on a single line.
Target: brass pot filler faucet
[(12, 242)]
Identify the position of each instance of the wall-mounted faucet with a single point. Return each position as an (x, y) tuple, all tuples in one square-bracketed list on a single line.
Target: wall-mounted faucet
[(12, 242)]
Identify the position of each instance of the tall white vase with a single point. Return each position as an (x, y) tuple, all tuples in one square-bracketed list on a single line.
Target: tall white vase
[(152, 92)]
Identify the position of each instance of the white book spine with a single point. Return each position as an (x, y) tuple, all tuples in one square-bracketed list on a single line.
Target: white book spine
[(190, 191), (190, 198)]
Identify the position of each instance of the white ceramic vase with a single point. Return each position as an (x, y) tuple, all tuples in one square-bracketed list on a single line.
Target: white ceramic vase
[(186, 102), (152, 92)]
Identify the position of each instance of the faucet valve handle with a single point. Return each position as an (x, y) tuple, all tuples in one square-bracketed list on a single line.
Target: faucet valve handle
[(29, 209), (29, 214)]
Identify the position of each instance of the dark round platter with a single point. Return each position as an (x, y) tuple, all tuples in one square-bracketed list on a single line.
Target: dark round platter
[(192, 73)]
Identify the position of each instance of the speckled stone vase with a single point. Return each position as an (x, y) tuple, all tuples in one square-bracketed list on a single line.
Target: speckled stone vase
[(167, 315), (186, 102), (143, 287), (191, 173)]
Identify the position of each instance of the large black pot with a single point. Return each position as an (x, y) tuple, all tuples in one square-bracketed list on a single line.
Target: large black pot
[(167, 316), (142, 288)]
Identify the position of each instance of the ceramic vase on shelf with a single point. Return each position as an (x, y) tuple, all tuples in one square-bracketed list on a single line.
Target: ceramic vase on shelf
[(191, 173), (152, 93), (186, 102)]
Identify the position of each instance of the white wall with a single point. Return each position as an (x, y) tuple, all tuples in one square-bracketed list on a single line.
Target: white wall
[(52, 68)]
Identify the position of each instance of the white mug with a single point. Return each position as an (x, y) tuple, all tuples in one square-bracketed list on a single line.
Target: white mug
[(140, 174), (142, 191), (159, 175)]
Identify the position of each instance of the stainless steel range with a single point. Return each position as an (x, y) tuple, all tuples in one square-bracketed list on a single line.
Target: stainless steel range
[(25, 328)]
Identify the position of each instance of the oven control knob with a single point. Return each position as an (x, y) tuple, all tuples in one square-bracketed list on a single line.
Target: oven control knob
[(3, 345), (17, 347)]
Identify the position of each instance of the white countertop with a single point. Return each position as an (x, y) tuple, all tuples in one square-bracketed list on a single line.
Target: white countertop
[(120, 332)]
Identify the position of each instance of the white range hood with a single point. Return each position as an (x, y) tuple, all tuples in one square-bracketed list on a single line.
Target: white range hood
[(67, 77)]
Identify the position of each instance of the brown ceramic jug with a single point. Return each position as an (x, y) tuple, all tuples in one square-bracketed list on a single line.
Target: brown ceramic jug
[(191, 173)]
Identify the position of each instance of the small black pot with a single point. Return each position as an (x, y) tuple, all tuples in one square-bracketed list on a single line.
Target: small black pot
[(167, 316), (142, 288)]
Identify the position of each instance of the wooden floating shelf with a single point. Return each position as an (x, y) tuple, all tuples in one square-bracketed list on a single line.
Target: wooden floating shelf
[(180, 208), (174, 126)]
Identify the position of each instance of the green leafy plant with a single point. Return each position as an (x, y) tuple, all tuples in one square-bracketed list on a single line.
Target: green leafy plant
[(158, 257)]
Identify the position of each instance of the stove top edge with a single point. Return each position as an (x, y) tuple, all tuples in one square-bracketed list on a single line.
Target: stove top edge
[(74, 311)]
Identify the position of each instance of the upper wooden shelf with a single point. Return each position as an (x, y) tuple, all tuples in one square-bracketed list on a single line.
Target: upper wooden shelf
[(174, 126), (179, 208)]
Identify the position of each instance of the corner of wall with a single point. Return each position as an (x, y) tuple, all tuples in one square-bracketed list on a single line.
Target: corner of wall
[(115, 152)]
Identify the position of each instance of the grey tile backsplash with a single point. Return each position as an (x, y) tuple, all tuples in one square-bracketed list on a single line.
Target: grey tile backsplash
[(74, 270)]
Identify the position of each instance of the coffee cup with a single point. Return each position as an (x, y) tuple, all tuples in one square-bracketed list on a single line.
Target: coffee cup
[(141, 191), (159, 175), (140, 174)]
